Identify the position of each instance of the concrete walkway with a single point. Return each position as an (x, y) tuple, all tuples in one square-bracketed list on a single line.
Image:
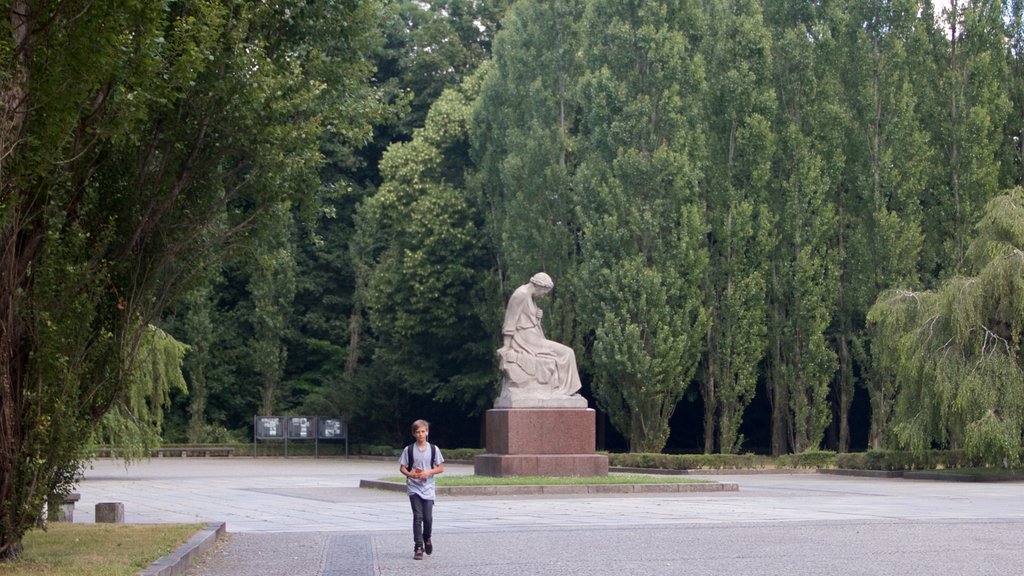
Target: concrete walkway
[(308, 517)]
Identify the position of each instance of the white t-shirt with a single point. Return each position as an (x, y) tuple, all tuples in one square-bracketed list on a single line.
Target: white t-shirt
[(420, 459)]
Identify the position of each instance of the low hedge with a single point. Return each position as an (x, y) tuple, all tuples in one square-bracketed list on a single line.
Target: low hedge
[(451, 454), (895, 460), (810, 459), (886, 460)]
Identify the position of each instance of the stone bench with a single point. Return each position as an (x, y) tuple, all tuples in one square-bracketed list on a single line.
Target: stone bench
[(63, 510)]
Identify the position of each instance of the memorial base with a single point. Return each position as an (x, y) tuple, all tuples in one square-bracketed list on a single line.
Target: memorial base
[(541, 442), (541, 465)]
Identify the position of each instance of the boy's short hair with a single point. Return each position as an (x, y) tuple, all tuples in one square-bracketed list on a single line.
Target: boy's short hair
[(420, 423)]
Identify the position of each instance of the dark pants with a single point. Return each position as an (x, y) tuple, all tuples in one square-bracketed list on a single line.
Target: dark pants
[(422, 519)]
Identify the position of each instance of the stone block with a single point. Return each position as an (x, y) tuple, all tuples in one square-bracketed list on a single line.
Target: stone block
[(110, 512), (541, 431), (541, 465)]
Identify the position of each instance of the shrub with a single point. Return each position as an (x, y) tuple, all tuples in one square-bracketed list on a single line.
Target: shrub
[(690, 461), (810, 459), (897, 460)]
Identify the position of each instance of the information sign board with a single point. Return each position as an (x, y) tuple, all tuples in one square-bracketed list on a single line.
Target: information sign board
[(269, 428), (332, 429), (301, 427)]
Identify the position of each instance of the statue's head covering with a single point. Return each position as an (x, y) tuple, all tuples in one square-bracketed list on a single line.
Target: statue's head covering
[(543, 280)]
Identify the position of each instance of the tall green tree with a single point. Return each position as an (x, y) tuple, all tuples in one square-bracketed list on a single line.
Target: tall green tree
[(427, 48), (272, 289), (431, 46), (198, 323), (802, 278), (967, 130), (878, 207), (641, 156), (740, 109), (140, 142), (523, 139), (1012, 158), (426, 267)]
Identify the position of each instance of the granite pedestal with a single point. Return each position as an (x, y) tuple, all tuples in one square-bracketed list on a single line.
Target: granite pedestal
[(541, 442)]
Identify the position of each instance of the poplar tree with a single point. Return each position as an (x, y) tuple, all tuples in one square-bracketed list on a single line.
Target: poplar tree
[(802, 276), (524, 137), (740, 109), (967, 130), (1012, 157), (641, 156), (889, 159)]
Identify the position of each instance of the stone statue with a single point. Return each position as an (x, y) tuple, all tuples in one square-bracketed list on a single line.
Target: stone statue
[(536, 372)]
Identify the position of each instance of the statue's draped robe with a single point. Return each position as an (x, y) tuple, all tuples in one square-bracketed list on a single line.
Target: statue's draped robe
[(531, 359)]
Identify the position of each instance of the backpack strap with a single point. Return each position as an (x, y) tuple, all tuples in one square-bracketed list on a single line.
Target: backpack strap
[(433, 455)]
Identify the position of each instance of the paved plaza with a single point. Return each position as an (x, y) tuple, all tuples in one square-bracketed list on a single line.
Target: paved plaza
[(301, 517)]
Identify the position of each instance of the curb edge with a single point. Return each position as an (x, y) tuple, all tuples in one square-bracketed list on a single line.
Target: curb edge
[(177, 562)]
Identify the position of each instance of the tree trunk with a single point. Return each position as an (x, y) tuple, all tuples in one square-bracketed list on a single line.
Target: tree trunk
[(845, 396), (13, 496), (710, 404)]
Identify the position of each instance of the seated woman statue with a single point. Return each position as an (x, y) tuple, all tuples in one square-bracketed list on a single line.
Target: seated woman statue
[(536, 372)]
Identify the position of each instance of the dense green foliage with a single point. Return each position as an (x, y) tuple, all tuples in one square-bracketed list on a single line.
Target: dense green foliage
[(956, 365), (640, 146), (778, 215), (142, 145), (721, 191)]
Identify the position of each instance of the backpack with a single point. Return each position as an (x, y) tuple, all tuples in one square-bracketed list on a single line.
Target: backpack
[(433, 455)]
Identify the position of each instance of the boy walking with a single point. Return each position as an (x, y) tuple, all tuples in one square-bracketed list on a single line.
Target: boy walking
[(419, 463)]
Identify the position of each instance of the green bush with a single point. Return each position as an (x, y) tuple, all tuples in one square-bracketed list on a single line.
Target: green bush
[(690, 461), (852, 461), (887, 460), (809, 459), (898, 460), (376, 450), (462, 454)]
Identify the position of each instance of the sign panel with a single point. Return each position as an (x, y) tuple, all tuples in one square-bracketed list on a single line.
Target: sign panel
[(333, 429), (301, 427), (269, 428)]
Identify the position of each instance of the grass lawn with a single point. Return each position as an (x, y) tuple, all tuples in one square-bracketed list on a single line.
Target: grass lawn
[(445, 480), (67, 549)]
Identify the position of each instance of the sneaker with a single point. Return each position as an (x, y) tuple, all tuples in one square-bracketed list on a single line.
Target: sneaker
[(417, 554), (428, 547)]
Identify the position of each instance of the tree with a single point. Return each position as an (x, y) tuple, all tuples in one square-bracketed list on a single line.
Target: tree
[(524, 130), (971, 113), (642, 228), (802, 277), (956, 352), (741, 103), (888, 162), (1012, 157), (272, 289), (421, 251), (431, 46), (140, 142)]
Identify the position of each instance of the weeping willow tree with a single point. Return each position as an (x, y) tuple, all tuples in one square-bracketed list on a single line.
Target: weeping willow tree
[(949, 362), (135, 420)]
